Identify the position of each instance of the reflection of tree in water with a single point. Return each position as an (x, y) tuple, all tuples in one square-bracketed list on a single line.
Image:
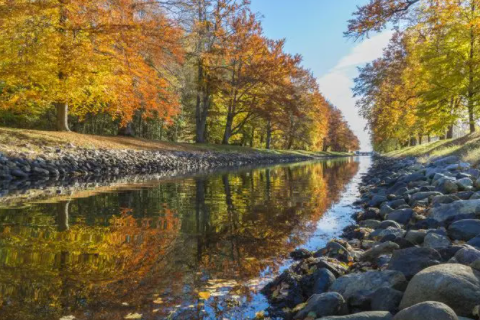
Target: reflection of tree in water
[(96, 253)]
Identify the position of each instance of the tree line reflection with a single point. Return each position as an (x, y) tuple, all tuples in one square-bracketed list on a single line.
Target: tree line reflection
[(156, 251)]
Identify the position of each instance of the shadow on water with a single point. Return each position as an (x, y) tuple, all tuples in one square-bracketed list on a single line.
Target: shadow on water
[(192, 248)]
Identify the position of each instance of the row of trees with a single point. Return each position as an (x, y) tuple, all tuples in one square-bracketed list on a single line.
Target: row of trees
[(183, 70), (428, 78)]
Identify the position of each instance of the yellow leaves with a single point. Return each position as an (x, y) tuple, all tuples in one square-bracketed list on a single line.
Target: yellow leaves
[(132, 316), (204, 295)]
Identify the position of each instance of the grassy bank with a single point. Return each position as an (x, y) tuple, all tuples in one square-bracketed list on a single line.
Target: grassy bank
[(467, 148), (32, 141)]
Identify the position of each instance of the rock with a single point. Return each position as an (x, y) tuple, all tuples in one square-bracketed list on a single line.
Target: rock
[(416, 236), (429, 310), (378, 250), (456, 285), (377, 200), (424, 195), (447, 186), (386, 299), (368, 315), (401, 216), (475, 265), (335, 250), (439, 200), (449, 252), (464, 229), (394, 204), (18, 173), (466, 255), (385, 209), (434, 240), (372, 224), (453, 209), (320, 305), (380, 233), (464, 184), (367, 283), (474, 242), (410, 261), (389, 223), (417, 176), (300, 254), (323, 279)]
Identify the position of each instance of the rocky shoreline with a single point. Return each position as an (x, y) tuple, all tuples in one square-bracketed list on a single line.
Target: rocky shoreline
[(414, 252), (57, 171)]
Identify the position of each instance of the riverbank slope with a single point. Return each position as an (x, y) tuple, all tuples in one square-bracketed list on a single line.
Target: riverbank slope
[(413, 253), (466, 148), (37, 155)]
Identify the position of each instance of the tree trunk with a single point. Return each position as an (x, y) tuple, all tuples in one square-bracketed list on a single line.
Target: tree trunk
[(228, 129), (127, 130), (450, 132), (420, 139), (429, 138), (471, 70), (252, 138), (62, 116), (269, 134)]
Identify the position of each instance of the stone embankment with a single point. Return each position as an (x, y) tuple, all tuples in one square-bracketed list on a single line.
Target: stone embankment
[(413, 254), (56, 171)]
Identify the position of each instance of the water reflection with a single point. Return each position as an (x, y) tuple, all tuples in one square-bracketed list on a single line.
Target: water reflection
[(188, 249)]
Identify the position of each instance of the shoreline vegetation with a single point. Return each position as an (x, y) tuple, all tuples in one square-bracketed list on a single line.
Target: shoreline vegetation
[(413, 252)]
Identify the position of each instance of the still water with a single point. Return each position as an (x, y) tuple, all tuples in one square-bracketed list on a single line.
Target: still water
[(199, 247)]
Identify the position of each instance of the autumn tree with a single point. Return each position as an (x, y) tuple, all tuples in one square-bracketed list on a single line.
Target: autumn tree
[(91, 56)]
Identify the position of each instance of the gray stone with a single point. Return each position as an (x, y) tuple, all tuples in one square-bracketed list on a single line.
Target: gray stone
[(447, 186), (416, 236), (320, 305), (464, 229), (446, 161), (372, 224), (466, 255), (435, 240), (424, 195), (389, 223), (323, 280), (465, 184), (367, 315), (386, 299), (377, 200), (385, 209), (429, 310), (412, 260), (474, 242), (445, 199), (18, 173), (401, 216), (453, 209), (367, 283), (456, 285), (378, 250), (380, 233)]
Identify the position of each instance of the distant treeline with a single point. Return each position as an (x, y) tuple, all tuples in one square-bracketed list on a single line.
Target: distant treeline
[(178, 70)]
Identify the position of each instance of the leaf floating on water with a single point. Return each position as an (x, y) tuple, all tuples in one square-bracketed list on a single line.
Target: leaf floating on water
[(133, 316), (158, 301), (260, 315), (67, 318), (299, 307), (204, 295)]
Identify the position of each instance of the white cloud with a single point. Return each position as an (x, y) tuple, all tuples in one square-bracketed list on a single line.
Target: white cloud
[(337, 83)]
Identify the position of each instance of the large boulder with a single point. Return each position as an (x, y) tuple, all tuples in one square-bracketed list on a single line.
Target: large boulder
[(447, 186), (412, 260), (320, 305), (323, 279), (456, 285), (386, 299), (464, 229), (429, 310), (377, 200), (355, 284), (368, 315), (450, 210)]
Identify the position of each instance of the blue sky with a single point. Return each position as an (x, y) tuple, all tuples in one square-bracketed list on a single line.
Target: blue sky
[(314, 29)]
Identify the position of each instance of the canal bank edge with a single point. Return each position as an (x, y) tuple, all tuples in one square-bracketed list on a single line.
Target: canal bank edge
[(414, 252)]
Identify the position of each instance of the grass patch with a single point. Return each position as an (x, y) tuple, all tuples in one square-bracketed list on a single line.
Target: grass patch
[(467, 148), (31, 142)]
